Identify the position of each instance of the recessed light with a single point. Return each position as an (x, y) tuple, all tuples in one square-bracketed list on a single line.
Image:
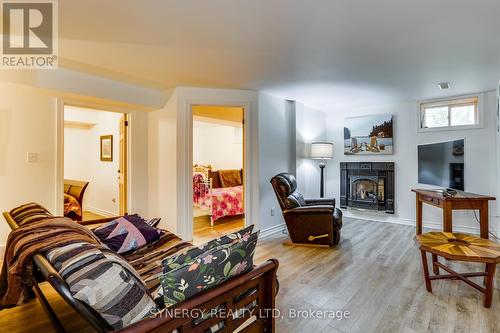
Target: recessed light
[(444, 85)]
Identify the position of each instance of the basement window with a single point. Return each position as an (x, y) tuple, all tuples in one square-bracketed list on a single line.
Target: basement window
[(458, 113)]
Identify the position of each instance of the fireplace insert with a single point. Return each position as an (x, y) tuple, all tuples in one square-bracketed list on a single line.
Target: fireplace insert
[(367, 185)]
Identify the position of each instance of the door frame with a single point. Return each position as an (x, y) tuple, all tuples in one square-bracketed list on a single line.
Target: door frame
[(185, 190), (59, 172)]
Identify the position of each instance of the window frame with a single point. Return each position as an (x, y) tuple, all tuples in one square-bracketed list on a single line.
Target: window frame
[(450, 102)]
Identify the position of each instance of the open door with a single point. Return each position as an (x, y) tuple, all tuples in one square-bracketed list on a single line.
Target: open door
[(122, 172), (218, 172)]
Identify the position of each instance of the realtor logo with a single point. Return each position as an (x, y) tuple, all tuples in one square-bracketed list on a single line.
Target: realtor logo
[(29, 34)]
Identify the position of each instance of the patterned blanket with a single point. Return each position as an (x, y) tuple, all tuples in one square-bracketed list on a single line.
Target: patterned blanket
[(225, 201), (147, 260), (27, 240), (200, 191)]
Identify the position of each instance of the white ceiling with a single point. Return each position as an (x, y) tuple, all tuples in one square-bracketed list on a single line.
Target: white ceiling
[(324, 53)]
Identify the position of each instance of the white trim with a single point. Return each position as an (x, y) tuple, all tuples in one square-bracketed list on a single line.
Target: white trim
[(99, 211), (59, 170), (265, 233), (480, 114), (436, 225), (185, 161)]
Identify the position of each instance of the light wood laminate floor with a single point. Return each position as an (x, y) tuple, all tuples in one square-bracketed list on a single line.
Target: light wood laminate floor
[(375, 274), (204, 232)]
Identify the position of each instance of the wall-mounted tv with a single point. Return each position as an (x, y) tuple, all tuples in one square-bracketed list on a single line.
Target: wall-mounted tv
[(442, 164)]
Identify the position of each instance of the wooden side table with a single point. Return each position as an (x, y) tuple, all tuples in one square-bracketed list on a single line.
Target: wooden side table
[(459, 247), (460, 201)]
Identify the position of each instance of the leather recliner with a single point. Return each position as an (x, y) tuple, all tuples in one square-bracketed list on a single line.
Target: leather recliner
[(309, 221)]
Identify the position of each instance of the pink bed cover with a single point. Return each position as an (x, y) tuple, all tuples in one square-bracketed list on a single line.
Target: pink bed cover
[(226, 201)]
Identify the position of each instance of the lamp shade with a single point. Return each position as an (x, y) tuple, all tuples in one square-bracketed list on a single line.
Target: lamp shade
[(321, 150)]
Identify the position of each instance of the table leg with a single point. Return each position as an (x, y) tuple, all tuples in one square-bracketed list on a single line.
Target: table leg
[(488, 296), (418, 217), (483, 218), (435, 268), (447, 217), (425, 267)]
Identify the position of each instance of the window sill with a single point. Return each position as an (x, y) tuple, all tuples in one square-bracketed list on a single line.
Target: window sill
[(449, 128)]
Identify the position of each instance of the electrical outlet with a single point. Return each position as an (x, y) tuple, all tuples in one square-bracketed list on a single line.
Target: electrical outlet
[(31, 157), (272, 211)]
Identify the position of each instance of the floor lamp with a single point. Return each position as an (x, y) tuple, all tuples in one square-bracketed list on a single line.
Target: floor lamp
[(322, 151)]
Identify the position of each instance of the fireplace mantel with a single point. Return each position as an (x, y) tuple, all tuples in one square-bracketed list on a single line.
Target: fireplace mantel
[(367, 185)]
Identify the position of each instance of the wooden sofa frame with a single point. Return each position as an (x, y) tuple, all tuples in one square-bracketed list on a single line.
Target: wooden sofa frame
[(259, 285)]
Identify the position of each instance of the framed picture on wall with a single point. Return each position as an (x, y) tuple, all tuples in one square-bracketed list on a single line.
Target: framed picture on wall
[(107, 148), (368, 135)]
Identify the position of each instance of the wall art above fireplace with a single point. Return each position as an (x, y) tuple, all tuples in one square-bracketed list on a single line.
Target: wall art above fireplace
[(367, 185), (368, 135)]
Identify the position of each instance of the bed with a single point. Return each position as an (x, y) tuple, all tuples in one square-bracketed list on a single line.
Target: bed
[(253, 291), (73, 198), (219, 192)]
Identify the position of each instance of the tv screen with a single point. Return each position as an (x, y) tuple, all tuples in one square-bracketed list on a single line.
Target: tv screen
[(442, 164)]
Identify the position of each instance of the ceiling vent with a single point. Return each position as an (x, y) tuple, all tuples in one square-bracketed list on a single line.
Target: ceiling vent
[(444, 85)]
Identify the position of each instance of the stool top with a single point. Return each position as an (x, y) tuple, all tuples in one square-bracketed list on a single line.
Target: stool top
[(458, 246)]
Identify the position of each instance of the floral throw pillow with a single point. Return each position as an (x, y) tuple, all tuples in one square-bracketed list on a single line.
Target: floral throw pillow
[(127, 233), (179, 259), (209, 270)]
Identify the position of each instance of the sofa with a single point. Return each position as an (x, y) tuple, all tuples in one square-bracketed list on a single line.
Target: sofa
[(251, 293)]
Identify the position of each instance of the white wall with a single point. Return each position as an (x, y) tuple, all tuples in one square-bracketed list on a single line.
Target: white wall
[(82, 158), (215, 145), (277, 152), (171, 159), (480, 160), (162, 165), (310, 127), (28, 123)]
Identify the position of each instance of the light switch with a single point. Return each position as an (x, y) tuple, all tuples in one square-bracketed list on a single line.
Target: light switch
[(32, 157)]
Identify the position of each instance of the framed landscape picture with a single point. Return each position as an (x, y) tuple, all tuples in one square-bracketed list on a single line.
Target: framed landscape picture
[(107, 148), (368, 135)]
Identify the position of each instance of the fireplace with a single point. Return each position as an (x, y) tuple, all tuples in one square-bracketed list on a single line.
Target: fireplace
[(368, 185)]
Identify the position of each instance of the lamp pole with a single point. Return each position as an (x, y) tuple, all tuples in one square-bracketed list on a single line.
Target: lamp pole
[(322, 180)]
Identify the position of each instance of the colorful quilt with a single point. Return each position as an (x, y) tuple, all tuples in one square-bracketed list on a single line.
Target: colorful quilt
[(226, 201), (200, 191)]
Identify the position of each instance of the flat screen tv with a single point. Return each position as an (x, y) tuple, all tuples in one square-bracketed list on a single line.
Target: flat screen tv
[(442, 164)]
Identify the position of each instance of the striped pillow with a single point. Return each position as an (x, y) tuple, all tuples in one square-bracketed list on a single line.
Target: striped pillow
[(105, 281), (29, 212)]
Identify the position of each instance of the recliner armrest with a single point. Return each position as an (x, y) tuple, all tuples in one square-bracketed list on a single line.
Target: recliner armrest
[(320, 201), (317, 209)]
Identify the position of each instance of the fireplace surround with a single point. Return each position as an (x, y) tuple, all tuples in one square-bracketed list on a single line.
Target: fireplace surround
[(367, 185)]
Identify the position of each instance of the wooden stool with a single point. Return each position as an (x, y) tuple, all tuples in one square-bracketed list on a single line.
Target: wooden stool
[(459, 247)]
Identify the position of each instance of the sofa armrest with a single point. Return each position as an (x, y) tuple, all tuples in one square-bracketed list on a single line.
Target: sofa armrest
[(318, 209), (320, 201)]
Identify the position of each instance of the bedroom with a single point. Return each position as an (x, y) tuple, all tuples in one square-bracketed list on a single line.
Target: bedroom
[(218, 171), (93, 186)]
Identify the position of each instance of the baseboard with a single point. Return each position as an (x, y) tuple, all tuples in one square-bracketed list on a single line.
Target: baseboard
[(264, 233), (99, 211), (437, 225)]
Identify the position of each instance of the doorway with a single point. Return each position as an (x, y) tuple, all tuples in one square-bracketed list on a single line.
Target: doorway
[(95, 151), (218, 172)]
